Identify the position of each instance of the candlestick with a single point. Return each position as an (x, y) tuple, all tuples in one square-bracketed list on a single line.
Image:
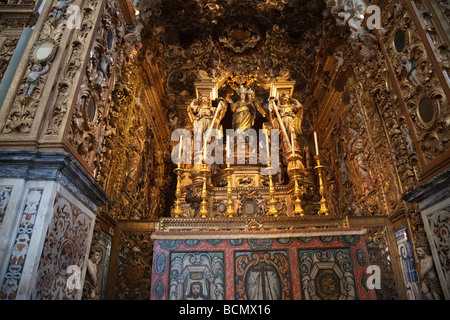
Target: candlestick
[(204, 151), (298, 210), (179, 150), (323, 202), (292, 144), (176, 210), (228, 148), (204, 204), (272, 202), (267, 144), (316, 144), (230, 209)]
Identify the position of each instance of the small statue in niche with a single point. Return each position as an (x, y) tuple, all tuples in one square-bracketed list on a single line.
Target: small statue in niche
[(89, 290), (174, 121), (261, 204), (431, 287), (32, 79), (291, 113), (102, 67), (239, 204), (338, 56), (59, 8), (365, 53), (201, 114), (411, 72), (360, 157), (244, 111), (135, 153), (356, 210), (344, 171), (409, 141)]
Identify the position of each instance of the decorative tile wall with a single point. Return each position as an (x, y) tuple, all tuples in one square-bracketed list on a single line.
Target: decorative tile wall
[(67, 244), (21, 245), (5, 195), (410, 276), (317, 267)]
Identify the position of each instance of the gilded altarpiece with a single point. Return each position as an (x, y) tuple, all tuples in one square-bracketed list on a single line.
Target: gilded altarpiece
[(380, 107)]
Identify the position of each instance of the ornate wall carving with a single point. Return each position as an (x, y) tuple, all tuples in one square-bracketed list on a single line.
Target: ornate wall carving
[(380, 105), (134, 265), (274, 36), (133, 159), (23, 106), (92, 100), (380, 255), (425, 96), (7, 50), (99, 256), (395, 104), (22, 241), (66, 244)]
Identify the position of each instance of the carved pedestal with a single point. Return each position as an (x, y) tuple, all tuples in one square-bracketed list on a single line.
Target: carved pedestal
[(433, 199), (48, 206)]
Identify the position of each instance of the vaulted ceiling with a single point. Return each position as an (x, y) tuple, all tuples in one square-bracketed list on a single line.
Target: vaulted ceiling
[(242, 41)]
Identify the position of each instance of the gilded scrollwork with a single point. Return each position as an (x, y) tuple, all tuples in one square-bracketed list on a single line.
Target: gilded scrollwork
[(6, 51), (221, 54), (379, 254), (134, 266), (376, 98), (424, 97), (92, 100)]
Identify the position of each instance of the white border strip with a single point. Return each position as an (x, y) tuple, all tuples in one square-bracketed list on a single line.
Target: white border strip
[(180, 235)]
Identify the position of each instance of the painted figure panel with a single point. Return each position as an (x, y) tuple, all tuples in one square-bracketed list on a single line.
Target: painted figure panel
[(196, 275)]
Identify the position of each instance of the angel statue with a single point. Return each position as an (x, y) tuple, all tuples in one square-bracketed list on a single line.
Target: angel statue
[(244, 110), (102, 67), (290, 112), (32, 78), (204, 116), (411, 71), (360, 157), (59, 7)]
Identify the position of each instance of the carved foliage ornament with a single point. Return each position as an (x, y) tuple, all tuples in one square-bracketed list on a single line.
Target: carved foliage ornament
[(92, 99), (134, 266), (24, 107), (6, 52), (258, 38), (426, 102)]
